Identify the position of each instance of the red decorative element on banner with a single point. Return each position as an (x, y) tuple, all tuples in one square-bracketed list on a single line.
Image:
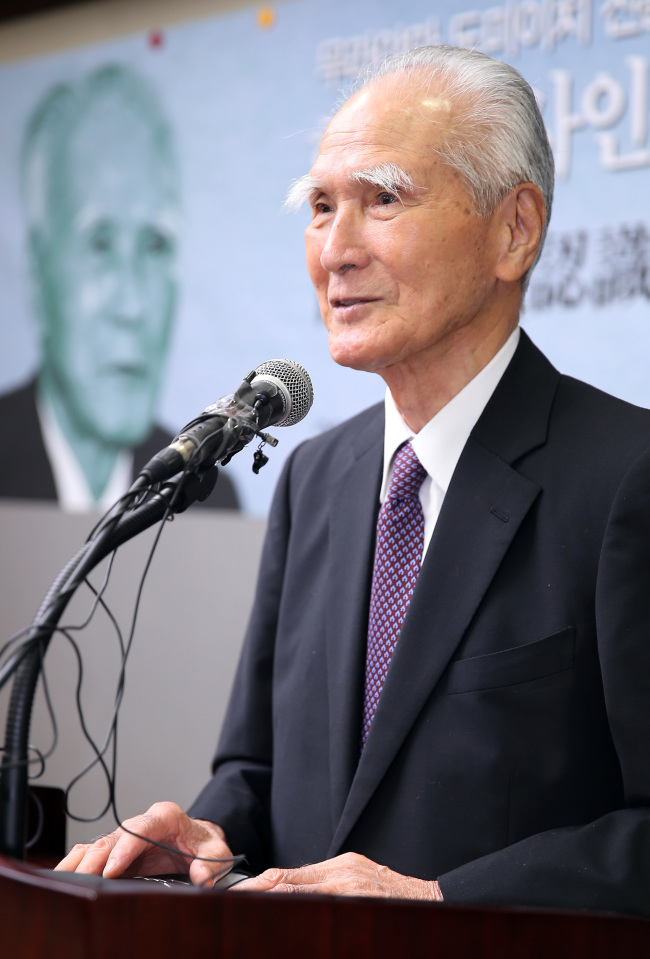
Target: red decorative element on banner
[(156, 39)]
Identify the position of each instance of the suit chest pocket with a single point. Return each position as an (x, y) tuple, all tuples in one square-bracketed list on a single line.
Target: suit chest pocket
[(520, 664)]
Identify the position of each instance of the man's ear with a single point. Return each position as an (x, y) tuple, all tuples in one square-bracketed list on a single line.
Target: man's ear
[(522, 215)]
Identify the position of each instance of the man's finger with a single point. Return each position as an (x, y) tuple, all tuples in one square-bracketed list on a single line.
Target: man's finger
[(91, 857), (284, 880), (135, 848), (346, 875), (70, 862), (206, 869), (113, 854), (262, 883), (125, 849)]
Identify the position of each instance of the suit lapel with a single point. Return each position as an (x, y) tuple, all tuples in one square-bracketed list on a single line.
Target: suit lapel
[(350, 558), (483, 509)]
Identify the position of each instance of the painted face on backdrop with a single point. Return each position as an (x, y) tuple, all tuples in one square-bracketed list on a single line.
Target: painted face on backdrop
[(107, 272), (398, 272)]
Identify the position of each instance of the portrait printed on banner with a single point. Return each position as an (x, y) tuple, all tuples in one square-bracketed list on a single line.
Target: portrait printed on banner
[(101, 190)]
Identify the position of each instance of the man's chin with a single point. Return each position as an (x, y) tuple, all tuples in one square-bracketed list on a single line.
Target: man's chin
[(355, 355), (121, 425), (121, 435)]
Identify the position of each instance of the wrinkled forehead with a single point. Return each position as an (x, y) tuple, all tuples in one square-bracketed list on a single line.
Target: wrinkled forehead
[(400, 114), (417, 93), (114, 155), (113, 127)]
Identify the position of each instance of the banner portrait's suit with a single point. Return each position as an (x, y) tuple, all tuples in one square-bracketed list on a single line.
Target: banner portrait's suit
[(25, 470), (509, 756)]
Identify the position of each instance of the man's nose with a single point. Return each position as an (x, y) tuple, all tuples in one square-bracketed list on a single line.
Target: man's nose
[(130, 293), (345, 246)]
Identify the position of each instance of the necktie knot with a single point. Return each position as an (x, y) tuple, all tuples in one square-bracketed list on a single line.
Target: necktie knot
[(408, 476)]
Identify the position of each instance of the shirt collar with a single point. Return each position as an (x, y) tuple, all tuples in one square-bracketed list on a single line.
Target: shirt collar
[(73, 492), (440, 441)]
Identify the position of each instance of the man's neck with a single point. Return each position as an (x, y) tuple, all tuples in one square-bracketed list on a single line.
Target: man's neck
[(96, 459), (424, 384)]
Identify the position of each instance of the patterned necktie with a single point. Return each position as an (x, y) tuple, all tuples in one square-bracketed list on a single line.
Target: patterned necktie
[(398, 556)]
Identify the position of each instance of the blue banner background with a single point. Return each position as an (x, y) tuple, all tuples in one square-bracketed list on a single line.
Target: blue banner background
[(248, 104)]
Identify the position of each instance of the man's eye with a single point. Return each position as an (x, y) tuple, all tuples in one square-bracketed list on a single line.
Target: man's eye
[(100, 238), (386, 198), (321, 207), (157, 242)]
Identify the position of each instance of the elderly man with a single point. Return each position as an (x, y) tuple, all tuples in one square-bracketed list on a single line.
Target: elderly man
[(102, 198), (446, 697)]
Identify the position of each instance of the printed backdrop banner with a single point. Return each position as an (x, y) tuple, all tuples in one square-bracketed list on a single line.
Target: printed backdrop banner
[(244, 99)]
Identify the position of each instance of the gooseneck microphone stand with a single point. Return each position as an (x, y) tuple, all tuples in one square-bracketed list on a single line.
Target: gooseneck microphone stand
[(26, 662), (277, 392)]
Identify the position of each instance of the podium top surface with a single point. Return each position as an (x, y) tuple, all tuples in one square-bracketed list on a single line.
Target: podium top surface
[(64, 916)]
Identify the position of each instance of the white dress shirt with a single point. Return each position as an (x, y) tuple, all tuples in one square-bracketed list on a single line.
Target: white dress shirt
[(72, 489), (440, 442)]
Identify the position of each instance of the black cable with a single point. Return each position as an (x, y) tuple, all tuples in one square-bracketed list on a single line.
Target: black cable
[(35, 640), (98, 754), (38, 758), (41, 821), (97, 751), (111, 737), (109, 768), (98, 594), (13, 640), (125, 502), (164, 846), (110, 615)]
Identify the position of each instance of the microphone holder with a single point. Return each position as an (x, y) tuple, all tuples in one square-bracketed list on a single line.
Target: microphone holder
[(174, 497)]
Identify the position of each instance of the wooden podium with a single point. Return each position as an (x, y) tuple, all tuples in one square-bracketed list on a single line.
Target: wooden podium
[(55, 916)]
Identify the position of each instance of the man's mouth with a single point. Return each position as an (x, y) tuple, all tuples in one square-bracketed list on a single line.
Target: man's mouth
[(352, 301), (131, 369)]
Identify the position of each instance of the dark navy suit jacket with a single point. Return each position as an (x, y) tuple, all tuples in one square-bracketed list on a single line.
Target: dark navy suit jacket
[(509, 756)]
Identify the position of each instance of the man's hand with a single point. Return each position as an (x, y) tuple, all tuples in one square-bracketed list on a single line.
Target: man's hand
[(121, 854), (347, 875)]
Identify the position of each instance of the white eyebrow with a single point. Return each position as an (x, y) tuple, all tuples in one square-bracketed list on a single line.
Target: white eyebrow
[(167, 219), (386, 176), (300, 191)]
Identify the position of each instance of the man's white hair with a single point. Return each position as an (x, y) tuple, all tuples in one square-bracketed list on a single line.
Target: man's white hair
[(495, 135)]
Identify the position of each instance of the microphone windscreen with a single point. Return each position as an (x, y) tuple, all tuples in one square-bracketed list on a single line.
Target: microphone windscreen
[(295, 383)]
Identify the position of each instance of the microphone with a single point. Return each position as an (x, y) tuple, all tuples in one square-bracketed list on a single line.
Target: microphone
[(276, 393)]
